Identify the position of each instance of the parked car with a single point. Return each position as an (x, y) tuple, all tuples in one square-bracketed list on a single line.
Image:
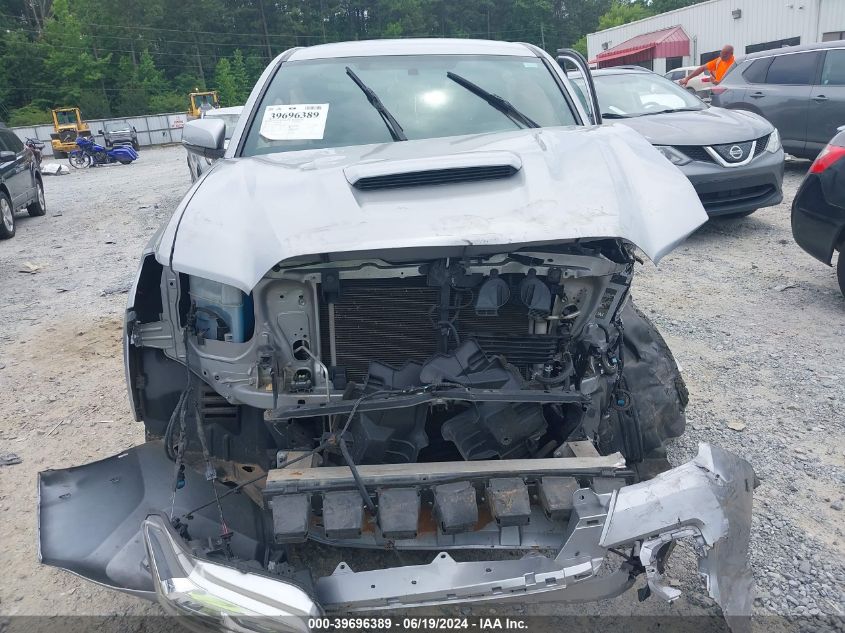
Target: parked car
[(21, 186), (733, 159), (699, 85), (818, 211), (408, 273), (197, 164), (800, 89), (116, 133)]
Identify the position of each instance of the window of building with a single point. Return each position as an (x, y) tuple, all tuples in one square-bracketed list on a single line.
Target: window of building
[(833, 70), (674, 62), (796, 69), (833, 36), (768, 46), (706, 57)]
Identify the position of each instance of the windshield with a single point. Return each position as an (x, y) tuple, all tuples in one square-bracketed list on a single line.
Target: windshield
[(117, 126), (316, 104), (66, 117), (626, 95)]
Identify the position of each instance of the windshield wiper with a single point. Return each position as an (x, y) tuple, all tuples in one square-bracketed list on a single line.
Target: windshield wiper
[(396, 131), (502, 105), (667, 111), (613, 115)]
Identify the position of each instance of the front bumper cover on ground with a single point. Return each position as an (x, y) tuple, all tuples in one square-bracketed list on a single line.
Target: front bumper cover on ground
[(130, 545)]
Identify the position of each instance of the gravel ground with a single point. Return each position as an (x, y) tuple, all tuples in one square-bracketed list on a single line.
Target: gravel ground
[(756, 324)]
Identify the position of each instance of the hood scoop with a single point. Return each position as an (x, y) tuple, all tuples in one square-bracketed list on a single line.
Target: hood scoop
[(433, 170)]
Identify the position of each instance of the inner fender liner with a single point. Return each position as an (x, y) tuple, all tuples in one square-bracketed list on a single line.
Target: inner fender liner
[(652, 377)]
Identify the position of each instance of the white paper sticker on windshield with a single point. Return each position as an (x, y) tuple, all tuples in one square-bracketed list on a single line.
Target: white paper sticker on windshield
[(294, 122)]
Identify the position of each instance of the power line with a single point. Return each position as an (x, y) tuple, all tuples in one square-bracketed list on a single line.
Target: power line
[(286, 35), (156, 40)]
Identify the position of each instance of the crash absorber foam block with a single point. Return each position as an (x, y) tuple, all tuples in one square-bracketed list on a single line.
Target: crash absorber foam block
[(456, 507), (343, 514), (509, 501), (291, 515), (398, 512)]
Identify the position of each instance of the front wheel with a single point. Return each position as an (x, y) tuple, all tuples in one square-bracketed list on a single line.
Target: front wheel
[(38, 206), (840, 270), (79, 159), (7, 217)]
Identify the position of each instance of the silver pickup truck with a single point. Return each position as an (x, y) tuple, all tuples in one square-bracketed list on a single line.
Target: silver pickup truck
[(395, 315)]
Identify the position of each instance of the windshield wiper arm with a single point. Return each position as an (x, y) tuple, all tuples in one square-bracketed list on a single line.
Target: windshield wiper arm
[(396, 131), (613, 115), (502, 105), (669, 110)]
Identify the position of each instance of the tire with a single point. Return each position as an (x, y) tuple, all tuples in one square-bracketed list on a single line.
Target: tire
[(79, 160), (38, 206), (125, 162), (136, 146), (840, 270), (7, 217)]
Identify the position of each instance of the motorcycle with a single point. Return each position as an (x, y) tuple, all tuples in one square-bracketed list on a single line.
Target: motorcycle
[(37, 148), (90, 154)]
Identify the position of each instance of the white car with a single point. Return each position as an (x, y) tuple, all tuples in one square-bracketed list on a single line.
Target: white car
[(700, 85)]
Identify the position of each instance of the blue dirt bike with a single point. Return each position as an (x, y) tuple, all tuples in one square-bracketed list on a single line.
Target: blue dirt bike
[(89, 154)]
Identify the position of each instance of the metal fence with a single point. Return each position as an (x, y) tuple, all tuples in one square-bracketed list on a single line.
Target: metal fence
[(153, 129)]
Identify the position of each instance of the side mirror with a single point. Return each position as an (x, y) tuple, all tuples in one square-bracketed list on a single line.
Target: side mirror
[(7, 156), (99, 131), (205, 137)]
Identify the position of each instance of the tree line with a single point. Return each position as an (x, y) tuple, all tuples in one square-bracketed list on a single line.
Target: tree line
[(114, 58)]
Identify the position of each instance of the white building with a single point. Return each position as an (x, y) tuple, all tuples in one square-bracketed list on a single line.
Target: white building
[(749, 25)]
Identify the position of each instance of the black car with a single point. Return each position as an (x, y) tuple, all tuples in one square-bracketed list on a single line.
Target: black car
[(120, 133), (20, 182), (818, 212)]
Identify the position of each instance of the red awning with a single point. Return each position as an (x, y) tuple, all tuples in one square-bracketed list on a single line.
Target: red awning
[(671, 42)]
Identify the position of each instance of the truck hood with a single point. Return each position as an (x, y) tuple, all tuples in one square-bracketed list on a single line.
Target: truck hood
[(711, 126), (248, 214)]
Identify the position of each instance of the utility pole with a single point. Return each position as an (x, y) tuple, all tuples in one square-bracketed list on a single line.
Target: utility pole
[(199, 64), (264, 28)]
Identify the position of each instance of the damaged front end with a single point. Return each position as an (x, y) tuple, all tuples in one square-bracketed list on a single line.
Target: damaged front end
[(474, 399), (192, 571)]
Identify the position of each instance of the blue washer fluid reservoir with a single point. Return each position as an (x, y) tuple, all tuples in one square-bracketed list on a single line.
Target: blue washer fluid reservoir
[(229, 303)]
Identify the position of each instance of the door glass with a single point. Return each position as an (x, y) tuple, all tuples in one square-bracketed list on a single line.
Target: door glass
[(756, 71), (833, 71), (10, 141), (796, 69)]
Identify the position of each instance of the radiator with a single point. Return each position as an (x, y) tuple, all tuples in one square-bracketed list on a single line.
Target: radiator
[(392, 321)]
